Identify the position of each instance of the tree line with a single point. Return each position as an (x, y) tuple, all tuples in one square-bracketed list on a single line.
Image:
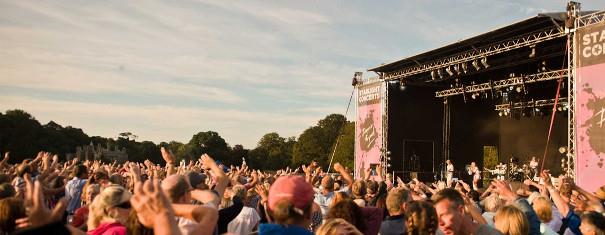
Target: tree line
[(24, 136)]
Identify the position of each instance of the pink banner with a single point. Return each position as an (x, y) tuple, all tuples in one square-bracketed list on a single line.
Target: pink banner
[(368, 127), (590, 107)]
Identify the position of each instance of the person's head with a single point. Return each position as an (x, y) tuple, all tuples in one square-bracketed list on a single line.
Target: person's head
[(23, 168), (510, 220), (397, 201), (116, 179), (473, 164), (111, 205), (7, 190), (239, 191), (11, 209), (450, 210), (349, 211), (177, 189), (337, 227), (92, 190), (196, 180), (339, 196), (448, 161), (372, 187), (492, 203), (593, 223), (543, 209), (327, 183), (80, 171), (290, 200), (359, 189), (421, 218)]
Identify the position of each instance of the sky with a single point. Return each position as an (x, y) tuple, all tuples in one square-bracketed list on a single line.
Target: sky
[(166, 70)]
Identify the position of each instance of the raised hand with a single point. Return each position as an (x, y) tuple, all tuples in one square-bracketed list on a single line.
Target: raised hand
[(38, 213), (504, 190), (153, 207), (338, 167), (168, 156)]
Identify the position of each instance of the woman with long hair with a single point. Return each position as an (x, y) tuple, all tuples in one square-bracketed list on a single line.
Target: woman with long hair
[(510, 220), (109, 212), (421, 218)]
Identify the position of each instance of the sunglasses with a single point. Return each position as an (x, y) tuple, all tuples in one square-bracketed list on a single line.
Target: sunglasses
[(124, 205)]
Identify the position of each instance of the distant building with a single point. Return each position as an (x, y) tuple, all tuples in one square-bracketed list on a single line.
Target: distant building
[(90, 152)]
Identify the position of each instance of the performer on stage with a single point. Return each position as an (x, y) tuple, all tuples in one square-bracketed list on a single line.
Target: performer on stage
[(533, 164), (476, 173), (449, 172)]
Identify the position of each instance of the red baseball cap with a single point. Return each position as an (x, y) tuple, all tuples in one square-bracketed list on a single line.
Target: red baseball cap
[(292, 188)]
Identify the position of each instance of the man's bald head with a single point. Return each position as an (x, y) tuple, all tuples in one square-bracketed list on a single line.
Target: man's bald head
[(176, 187)]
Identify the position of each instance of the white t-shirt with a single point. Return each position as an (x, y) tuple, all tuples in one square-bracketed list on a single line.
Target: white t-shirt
[(244, 222), (186, 226)]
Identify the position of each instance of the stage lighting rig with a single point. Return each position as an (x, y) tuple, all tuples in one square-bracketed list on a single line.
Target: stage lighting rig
[(440, 73), (476, 65), (464, 67), (449, 71), (457, 69), (484, 62), (357, 78), (433, 75), (533, 51)]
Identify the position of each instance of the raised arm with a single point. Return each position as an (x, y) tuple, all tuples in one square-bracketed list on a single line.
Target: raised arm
[(561, 205), (344, 173), (221, 178), (206, 217), (170, 160)]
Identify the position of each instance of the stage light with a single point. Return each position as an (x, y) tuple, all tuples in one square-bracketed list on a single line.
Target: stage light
[(533, 51), (565, 107), (457, 69), (560, 108), (464, 67), (519, 89), (449, 71), (537, 109), (543, 67), (357, 78), (562, 149), (473, 96), (484, 62), (500, 113), (476, 65), (511, 88), (433, 75), (440, 73), (402, 86)]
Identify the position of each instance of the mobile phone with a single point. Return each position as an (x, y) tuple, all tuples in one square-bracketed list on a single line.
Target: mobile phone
[(373, 171)]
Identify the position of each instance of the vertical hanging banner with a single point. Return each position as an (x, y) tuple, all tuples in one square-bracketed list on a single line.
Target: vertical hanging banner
[(590, 106), (368, 126)]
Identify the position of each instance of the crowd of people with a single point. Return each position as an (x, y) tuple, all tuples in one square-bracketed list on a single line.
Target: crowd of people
[(42, 195)]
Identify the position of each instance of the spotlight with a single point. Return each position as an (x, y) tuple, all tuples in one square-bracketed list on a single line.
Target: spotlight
[(560, 108), (356, 78), (562, 149), (484, 62), (533, 51), (473, 96), (402, 86), (457, 69), (433, 75), (519, 89), (543, 68), (511, 88), (464, 67), (537, 109), (500, 113), (440, 73), (565, 107), (449, 71), (476, 65)]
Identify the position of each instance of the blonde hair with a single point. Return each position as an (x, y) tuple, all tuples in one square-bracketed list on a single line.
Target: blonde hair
[(492, 203), (543, 209), (331, 227), (510, 220), (110, 197)]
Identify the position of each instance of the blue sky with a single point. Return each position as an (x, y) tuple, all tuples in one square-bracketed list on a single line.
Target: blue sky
[(167, 70)]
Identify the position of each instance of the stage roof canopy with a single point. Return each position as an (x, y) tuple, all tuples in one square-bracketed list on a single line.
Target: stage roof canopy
[(536, 23)]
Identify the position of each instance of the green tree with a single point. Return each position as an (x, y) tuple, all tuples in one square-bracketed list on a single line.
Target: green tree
[(211, 143), (317, 142)]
